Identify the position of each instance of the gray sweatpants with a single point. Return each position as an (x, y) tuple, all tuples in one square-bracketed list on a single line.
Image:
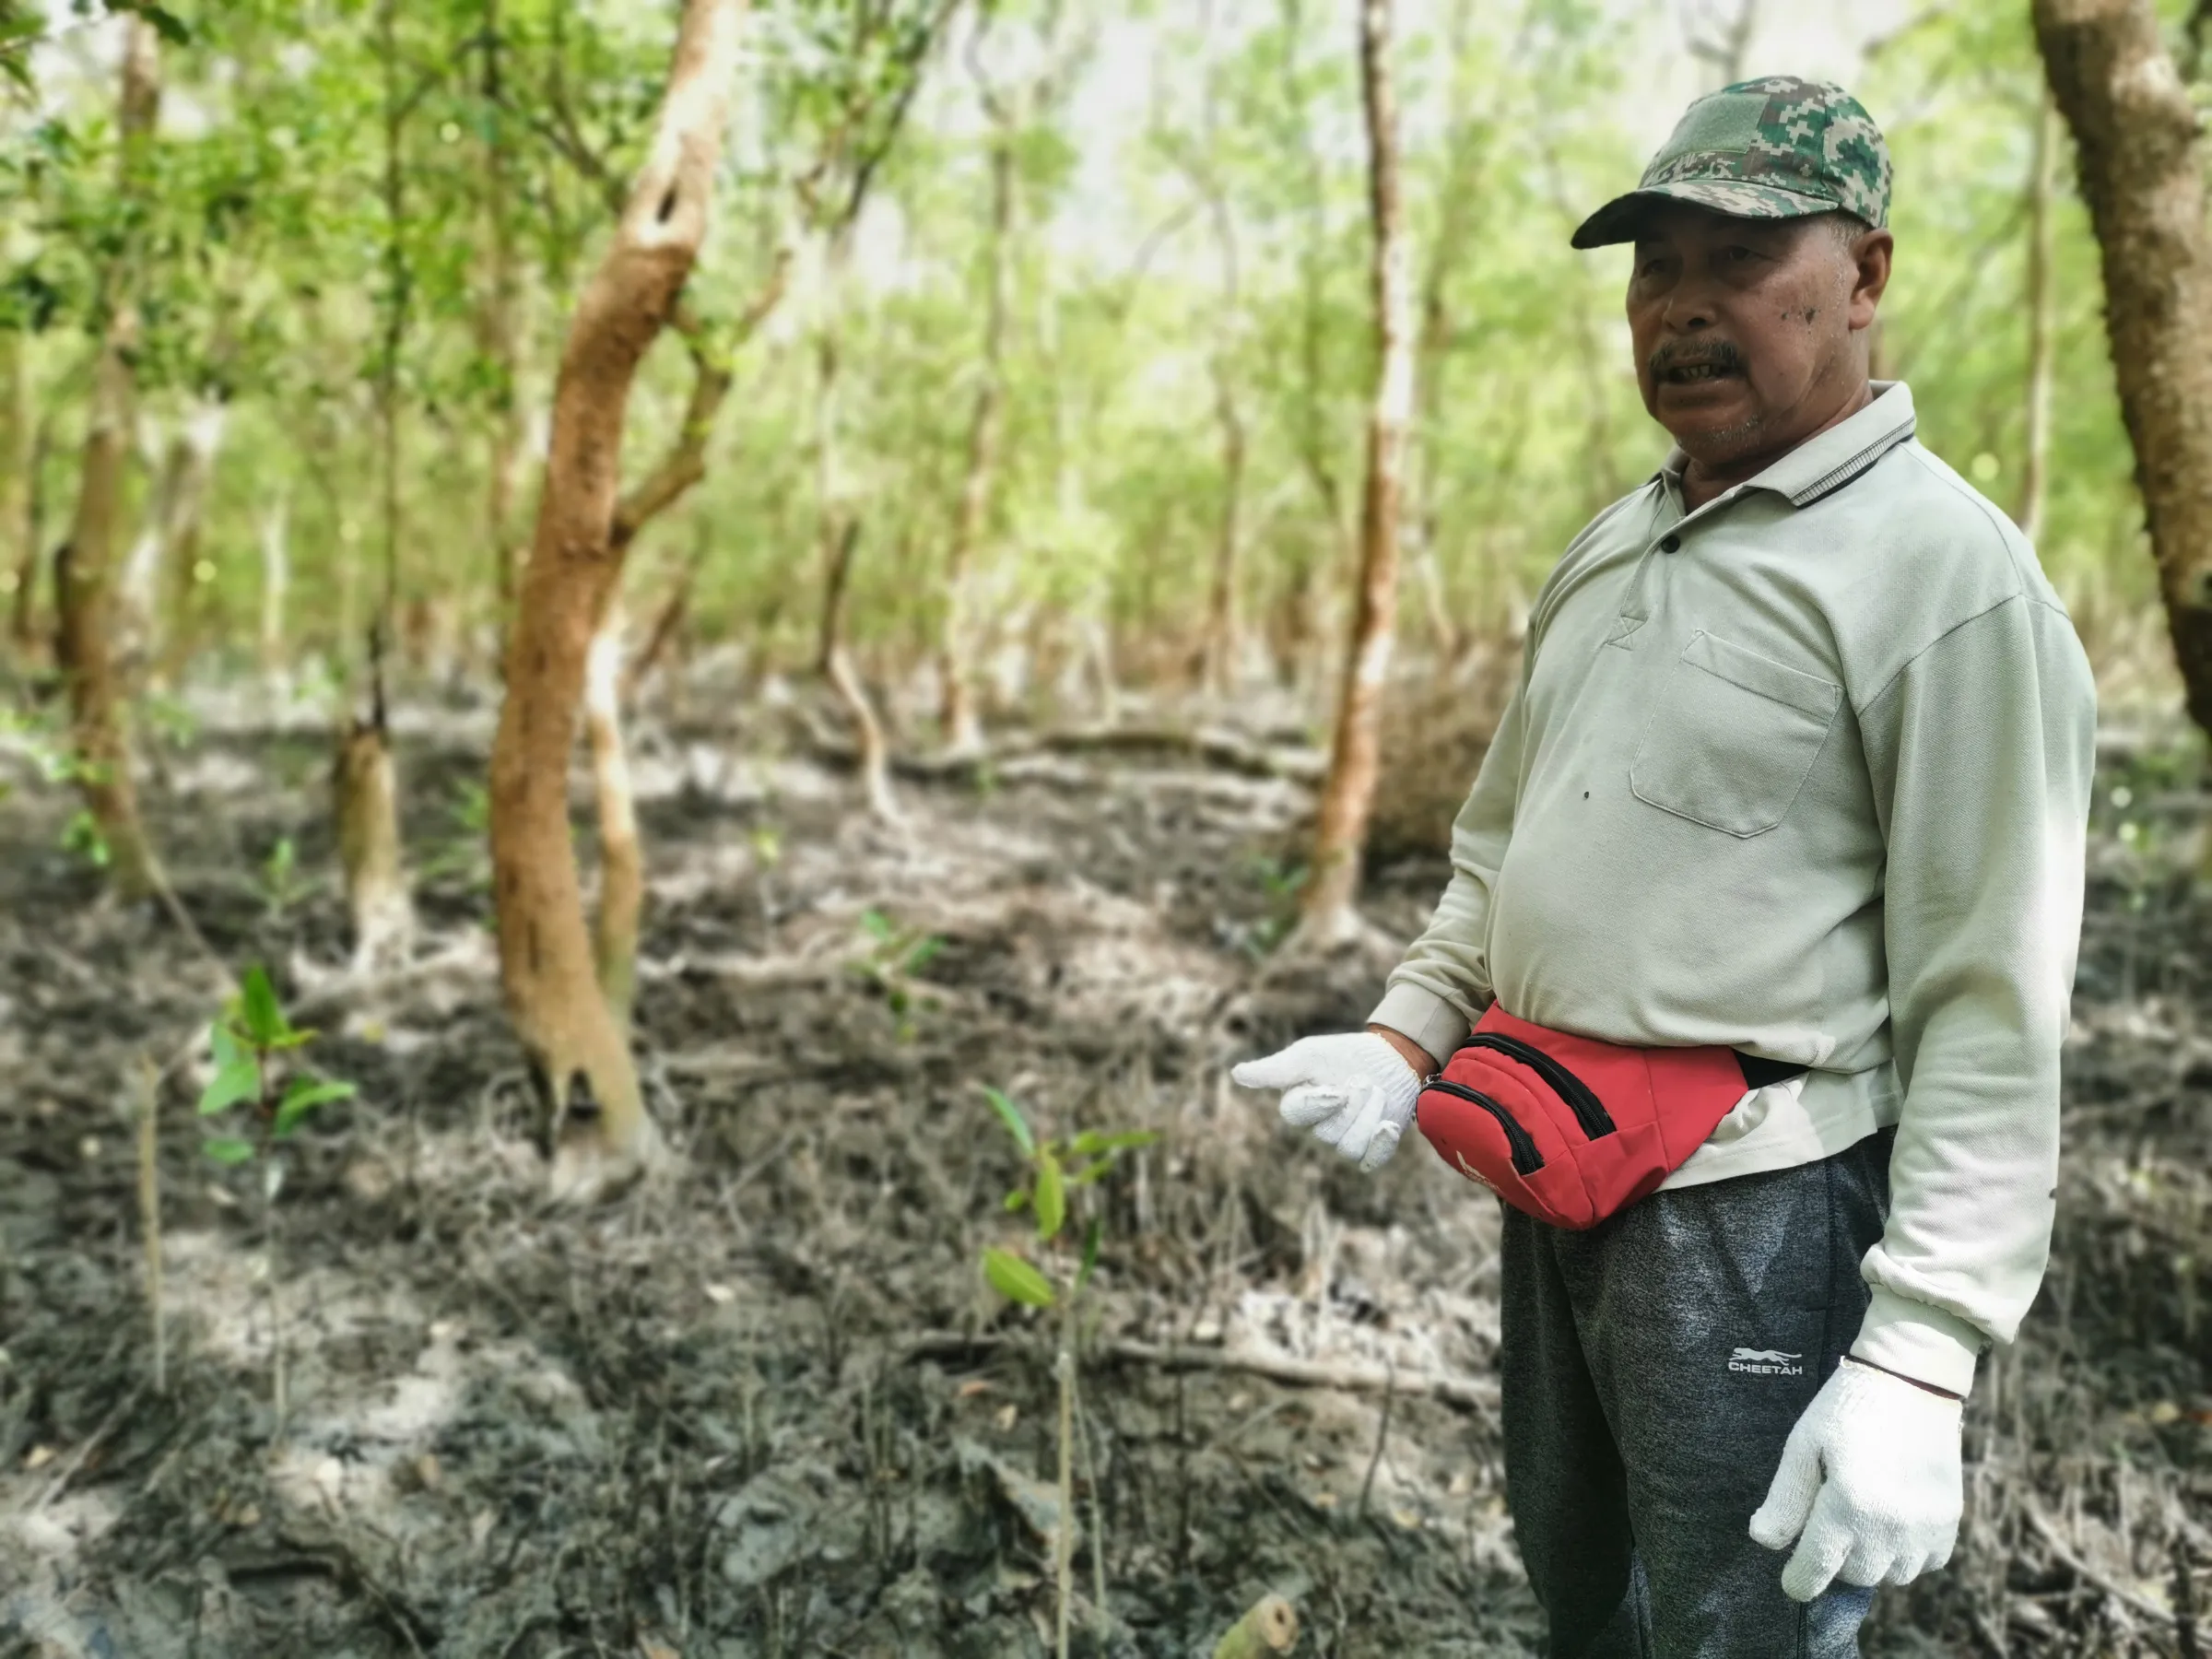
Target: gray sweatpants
[(1652, 1367)]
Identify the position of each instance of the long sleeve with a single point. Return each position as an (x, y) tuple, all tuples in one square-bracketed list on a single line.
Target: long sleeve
[(1981, 750), (1436, 994)]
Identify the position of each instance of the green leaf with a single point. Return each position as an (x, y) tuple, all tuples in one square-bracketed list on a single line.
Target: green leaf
[(259, 1013), (302, 1096), (1052, 1197), (1017, 1280), (922, 955), (239, 1081), (1093, 1236), (1016, 1199), (224, 1044), (225, 1150), (1010, 1114), (167, 24), (1092, 1143), (876, 925), (1090, 1171)]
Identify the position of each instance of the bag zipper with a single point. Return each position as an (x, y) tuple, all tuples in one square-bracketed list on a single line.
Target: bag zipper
[(1527, 1161), (1589, 1111)]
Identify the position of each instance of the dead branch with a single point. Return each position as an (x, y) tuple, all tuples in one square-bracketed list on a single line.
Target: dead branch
[(1348, 1376)]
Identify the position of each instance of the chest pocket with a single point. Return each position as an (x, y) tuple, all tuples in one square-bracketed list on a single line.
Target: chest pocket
[(1734, 738)]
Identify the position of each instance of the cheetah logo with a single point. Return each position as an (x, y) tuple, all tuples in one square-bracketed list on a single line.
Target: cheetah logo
[(1766, 1362)]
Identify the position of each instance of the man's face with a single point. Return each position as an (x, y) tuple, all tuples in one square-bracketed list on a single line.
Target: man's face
[(1749, 333)]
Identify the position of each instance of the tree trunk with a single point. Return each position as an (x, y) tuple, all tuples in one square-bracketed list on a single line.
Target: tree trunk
[(962, 731), (139, 620), (1347, 796), (18, 535), (198, 440), (1455, 228), (81, 641), (2142, 173), (365, 802), (576, 1052), (500, 329), (622, 858), (1220, 662), (24, 622), (2041, 308), (838, 533), (275, 587)]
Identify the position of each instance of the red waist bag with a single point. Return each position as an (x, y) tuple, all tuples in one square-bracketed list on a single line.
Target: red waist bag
[(1571, 1129)]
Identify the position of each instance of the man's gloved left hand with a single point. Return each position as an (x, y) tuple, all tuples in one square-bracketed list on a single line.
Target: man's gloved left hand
[(1871, 1478), (1353, 1089)]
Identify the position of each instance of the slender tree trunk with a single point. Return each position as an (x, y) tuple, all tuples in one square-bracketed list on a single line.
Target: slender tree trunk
[(137, 629), (198, 440), (838, 533), (24, 621), (96, 704), (18, 535), (955, 658), (365, 802), (365, 780), (276, 586), (2042, 306), (621, 856), (1347, 795), (1222, 637), (502, 308), (1455, 227), (577, 1054), (2142, 173)]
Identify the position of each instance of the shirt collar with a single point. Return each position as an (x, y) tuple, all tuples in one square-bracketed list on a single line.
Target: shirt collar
[(1822, 465)]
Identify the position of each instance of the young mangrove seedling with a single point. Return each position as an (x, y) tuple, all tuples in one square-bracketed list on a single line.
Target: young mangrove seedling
[(1052, 1170), (250, 1042)]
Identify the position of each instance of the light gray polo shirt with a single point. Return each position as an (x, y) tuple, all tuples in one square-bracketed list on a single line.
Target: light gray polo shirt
[(1805, 772)]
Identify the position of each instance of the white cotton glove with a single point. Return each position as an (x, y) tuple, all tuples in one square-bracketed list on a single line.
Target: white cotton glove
[(1352, 1089), (1871, 1478)]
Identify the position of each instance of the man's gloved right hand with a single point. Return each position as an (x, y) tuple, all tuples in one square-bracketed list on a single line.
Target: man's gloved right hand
[(1353, 1089)]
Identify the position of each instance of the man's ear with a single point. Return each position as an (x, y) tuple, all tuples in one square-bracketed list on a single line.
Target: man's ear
[(1870, 275)]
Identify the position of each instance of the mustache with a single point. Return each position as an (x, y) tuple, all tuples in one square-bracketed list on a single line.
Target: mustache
[(1721, 354)]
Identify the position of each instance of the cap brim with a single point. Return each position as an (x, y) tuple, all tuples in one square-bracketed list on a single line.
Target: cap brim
[(1616, 222)]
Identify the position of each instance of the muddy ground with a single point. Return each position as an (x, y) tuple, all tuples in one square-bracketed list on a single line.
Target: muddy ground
[(768, 1408)]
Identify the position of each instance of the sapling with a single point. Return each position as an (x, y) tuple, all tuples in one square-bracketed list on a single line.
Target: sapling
[(1051, 1169), (895, 956), (248, 1043)]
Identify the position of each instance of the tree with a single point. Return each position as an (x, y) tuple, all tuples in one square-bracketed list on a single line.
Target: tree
[(84, 577), (2041, 305), (578, 1054), (961, 729), (1355, 755), (2142, 174), (19, 534)]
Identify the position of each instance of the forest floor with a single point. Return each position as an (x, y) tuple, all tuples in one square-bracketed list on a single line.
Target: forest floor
[(766, 1406)]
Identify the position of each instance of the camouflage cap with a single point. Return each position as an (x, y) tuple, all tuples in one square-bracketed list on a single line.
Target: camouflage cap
[(1777, 147)]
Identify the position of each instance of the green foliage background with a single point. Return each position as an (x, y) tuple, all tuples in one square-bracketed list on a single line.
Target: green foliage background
[(268, 276)]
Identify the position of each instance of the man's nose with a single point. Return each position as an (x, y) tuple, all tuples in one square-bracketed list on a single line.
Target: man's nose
[(1688, 309)]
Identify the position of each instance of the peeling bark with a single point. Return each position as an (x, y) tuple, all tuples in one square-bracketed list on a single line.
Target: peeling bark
[(2142, 173), (576, 1050), (1347, 797), (621, 856), (84, 574)]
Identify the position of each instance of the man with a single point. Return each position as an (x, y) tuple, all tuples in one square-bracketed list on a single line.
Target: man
[(1799, 764)]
